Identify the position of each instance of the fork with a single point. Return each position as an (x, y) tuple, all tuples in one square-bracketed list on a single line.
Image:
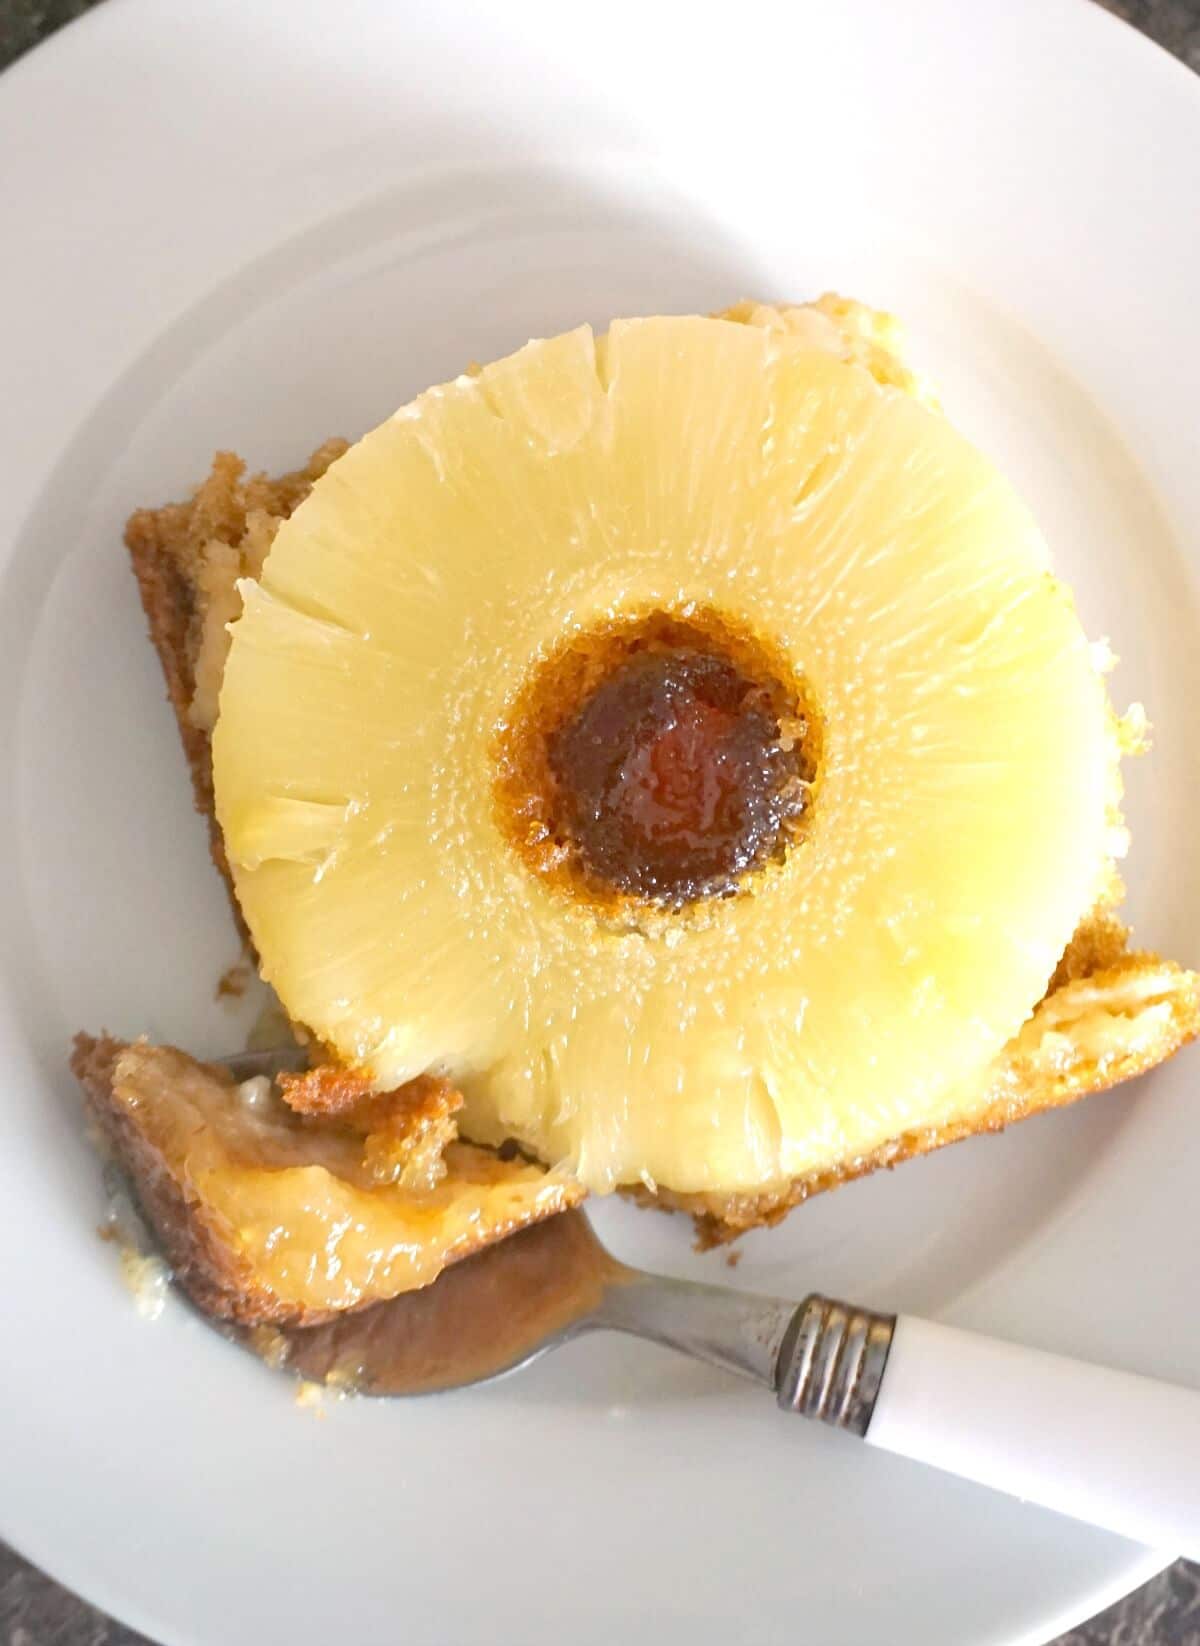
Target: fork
[(1104, 1446)]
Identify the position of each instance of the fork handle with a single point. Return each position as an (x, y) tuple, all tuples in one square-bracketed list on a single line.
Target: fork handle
[(1107, 1447)]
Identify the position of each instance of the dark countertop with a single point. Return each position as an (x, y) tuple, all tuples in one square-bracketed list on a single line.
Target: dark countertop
[(34, 1611)]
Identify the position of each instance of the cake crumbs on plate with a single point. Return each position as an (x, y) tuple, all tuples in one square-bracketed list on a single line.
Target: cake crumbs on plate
[(310, 1397), (235, 980), (148, 1278)]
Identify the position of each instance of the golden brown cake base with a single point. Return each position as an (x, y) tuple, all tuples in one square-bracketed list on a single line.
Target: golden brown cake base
[(175, 551)]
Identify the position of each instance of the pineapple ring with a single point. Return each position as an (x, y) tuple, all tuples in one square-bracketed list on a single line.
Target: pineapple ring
[(675, 464)]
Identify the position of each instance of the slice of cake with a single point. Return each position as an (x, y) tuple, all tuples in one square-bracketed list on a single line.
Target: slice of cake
[(678, 743)]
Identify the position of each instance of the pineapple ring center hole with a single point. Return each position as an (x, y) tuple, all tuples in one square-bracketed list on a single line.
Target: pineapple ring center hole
[(663, 759)]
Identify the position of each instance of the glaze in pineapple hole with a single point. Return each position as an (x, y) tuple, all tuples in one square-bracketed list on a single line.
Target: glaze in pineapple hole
[(662, 758)]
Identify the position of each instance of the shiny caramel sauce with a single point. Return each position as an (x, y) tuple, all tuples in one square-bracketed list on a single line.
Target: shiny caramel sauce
[(660, 760), (672, 778)]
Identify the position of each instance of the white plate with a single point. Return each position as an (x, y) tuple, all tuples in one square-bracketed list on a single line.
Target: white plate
[(254, 225)]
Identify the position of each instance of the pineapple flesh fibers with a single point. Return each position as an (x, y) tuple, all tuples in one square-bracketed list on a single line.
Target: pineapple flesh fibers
[(958, 827)]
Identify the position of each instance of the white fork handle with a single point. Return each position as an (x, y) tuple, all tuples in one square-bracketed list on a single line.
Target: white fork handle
[(1119, 1451)]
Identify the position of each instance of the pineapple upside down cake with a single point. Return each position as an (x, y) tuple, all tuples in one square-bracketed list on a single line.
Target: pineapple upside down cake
[(662, 762)]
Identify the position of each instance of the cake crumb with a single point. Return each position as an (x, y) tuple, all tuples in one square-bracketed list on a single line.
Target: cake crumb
[(310, 1397), (148, 1278), (733, 1258), (235, 980), (270, 1345), (345, 1378)]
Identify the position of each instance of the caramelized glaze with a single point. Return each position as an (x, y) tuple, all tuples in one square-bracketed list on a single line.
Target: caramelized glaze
[(657, 759)]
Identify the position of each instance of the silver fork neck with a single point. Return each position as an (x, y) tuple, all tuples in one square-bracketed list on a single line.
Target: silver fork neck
[(824, 1359), (738, 1331)]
